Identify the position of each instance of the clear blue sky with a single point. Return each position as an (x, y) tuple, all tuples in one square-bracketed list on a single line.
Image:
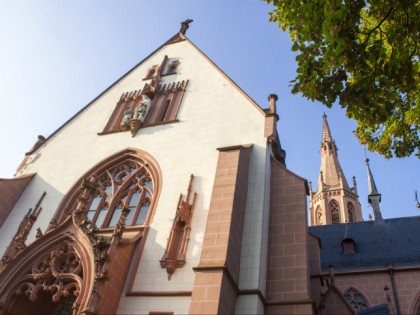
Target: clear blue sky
[(57, 56)]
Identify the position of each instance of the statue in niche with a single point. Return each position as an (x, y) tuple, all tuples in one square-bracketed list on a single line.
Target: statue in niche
[(125, 122), (320, 218), (142, 109)]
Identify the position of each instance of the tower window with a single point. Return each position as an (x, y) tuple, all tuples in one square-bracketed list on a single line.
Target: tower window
[(335, 212), (350, 210)]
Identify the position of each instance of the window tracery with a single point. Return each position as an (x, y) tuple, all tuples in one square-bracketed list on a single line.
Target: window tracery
[(54, 280), (334, 210), (356, 299), (128, 185)]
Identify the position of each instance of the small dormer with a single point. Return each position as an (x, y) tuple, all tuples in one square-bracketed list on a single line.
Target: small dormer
[(348, 245)]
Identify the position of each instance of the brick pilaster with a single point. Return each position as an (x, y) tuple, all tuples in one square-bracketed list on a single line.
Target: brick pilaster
[(217, 275), (287, 264)]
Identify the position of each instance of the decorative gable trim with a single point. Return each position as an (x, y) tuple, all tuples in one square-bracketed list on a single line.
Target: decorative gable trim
[(163, 109)]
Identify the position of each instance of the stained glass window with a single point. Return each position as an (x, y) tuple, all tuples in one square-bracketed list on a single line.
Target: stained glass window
[(356, 299), (126, 185)]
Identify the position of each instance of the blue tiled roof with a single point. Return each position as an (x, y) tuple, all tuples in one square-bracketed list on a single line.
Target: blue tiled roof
[(381, 309), (395, 243)]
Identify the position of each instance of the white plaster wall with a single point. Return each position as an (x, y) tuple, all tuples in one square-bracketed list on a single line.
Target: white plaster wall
[(213, 114), (144, 305)]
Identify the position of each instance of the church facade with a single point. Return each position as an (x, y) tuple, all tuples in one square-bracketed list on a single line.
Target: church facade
[(169, 194)]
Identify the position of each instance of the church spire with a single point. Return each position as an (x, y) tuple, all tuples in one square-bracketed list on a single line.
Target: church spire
[(326, 132), (333, 201), (330, 173), (374, 197)]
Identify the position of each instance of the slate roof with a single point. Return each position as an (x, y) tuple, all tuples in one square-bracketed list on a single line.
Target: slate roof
[(395, 243), (381, 309)]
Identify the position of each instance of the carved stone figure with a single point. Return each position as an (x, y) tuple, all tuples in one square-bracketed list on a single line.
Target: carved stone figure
[(125, 122), (142, 109)]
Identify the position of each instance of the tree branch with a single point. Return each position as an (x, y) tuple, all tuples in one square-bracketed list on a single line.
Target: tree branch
[(378, 25)]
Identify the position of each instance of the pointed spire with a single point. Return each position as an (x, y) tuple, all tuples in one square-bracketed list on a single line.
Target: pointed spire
[(374, 197), (371, 183), (333, 185), (326, 133), (332, 174)]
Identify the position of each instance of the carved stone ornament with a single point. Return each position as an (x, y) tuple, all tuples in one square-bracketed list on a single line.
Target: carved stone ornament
[(135, 125), (174, 256), (58, 274), (156, 103), (18, 241)]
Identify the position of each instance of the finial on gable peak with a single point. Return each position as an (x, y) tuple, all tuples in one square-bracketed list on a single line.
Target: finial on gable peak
[(272, 98), (184, 26)]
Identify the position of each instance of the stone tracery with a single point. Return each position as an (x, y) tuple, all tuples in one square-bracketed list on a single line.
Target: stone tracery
[(58, 272)]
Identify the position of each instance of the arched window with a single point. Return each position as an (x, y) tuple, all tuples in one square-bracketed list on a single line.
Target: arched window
[(350, 210), (125, 185), (335, 212), (356, 299)]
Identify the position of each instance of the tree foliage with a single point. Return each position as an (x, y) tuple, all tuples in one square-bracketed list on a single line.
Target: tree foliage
[(365, 56)]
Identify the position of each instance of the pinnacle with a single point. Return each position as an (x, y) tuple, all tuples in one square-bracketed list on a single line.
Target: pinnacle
[(326, 133)]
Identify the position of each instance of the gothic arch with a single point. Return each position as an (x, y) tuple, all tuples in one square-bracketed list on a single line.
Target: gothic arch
[(53, 268), (69, 266), (334, 209), (142, 159), (356, 299)]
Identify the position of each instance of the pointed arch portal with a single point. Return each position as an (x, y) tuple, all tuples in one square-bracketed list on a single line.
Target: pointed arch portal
[(54, 273), (70, 268)]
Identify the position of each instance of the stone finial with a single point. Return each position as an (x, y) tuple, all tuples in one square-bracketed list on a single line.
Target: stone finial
[(311, 193), (374, 197), (184, 26), (41, 140), (354, 185)]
